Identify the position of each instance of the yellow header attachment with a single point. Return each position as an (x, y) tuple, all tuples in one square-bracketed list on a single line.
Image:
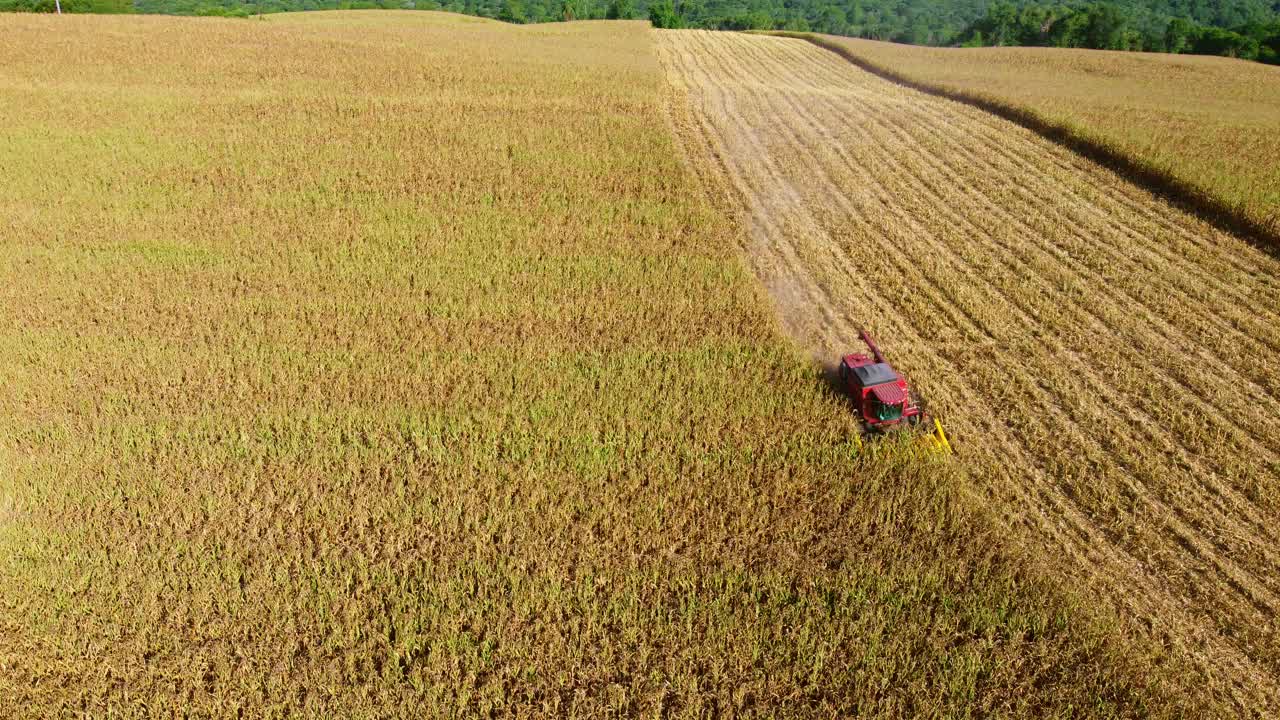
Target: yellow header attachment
[(932, 442), (938, 438)]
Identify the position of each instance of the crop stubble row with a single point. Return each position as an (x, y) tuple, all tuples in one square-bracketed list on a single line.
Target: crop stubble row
[(1104, 361)]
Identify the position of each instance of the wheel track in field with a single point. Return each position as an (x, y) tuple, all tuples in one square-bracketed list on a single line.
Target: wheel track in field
[(1080, 524), (763, 221), (1187, 346), (1235, 581), (972, 321), (1182, 516), (1184, 533), (740, 181), (1169, 333), (1089, 206), (1006, 296), (1190, 347), (1084, 533), (1181, 524), (1260, 527), (756, 115), (994, 127), (971, 318)]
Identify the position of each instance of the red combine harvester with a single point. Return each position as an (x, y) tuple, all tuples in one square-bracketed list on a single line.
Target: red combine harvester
[(884, 399)]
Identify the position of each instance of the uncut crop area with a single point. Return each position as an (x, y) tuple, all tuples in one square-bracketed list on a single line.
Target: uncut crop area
[(373, 365), (1105, 363)]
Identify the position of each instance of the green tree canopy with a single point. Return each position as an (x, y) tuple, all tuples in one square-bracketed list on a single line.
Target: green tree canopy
[(512, 11), (620, 10)]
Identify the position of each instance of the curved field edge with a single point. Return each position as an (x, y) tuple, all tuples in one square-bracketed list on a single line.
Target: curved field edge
[(1259, 225), (332, 386)]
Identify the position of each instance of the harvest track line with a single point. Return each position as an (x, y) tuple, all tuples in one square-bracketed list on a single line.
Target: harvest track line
[(1181, 193), (1098, 386), (1106, 359)]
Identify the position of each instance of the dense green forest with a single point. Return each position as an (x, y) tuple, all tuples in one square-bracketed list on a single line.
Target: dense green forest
[(1244, 30), (1247, 29)]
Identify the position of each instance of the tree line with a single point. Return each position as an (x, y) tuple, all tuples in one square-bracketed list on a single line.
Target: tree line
[(1248, 29), (1106, 26)]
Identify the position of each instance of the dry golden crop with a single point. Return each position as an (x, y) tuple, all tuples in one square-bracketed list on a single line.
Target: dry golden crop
[(1106, 363), (391, 364), (1205, 125)]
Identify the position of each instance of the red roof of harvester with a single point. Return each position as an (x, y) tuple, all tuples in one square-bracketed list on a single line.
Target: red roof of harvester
[(889, 394)]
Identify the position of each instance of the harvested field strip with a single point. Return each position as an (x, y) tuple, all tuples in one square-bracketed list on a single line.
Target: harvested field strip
[(1187, 126), (905, 188), (1105, 362)]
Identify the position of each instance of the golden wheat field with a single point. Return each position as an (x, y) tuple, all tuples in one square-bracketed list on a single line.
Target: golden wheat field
[(393, 364), (1106, 364), (1207, 123)]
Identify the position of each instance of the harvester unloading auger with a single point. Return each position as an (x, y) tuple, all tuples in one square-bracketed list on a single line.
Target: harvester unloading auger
[(885, 401)]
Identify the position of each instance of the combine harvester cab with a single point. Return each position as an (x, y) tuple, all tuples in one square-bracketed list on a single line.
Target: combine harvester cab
[(884, 400)]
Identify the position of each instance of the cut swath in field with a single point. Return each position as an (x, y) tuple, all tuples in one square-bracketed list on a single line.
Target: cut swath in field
[(1196, 128), (1105, 362)]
